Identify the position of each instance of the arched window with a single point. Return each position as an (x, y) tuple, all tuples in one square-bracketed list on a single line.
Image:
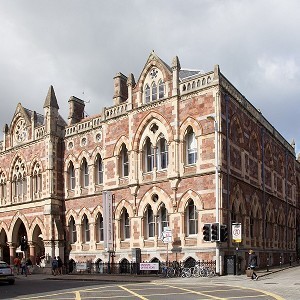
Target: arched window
[(72, 231), (154, 91), (125, 225), (191, 147), (149, 156), (2, 188), (162, 154), (36, 180), (161, 89), (191, 218), (150, 222), (124, 161), (71, 175), (99, 228), (85, 227), (147, 94), (84, 173), (162, 219), (99, 170)]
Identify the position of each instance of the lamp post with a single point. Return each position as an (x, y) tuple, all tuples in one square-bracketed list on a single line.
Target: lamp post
[(212, 118)]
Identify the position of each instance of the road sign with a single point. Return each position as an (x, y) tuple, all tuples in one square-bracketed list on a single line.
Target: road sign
[(166, 235), (236, 232)]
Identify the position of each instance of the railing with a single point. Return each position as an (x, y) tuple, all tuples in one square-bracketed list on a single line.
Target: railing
[(133, 268)]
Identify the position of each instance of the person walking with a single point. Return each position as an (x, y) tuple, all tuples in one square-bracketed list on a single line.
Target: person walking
[(59, 266), (252, 264), (54, 266), (17, 264)]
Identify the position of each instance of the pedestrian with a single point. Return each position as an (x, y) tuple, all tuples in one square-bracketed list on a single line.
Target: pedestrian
[(29, 266), (252, 264), (59, 265), (54, 266), (24, 269), (17, 264)]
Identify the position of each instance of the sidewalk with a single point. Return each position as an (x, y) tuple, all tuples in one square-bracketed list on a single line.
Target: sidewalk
[(127, 278)]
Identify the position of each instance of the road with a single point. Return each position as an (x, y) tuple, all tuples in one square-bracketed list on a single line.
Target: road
[(281, 285)]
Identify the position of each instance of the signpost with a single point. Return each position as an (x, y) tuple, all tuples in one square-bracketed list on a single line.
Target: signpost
[(166, 237), (236, 231)]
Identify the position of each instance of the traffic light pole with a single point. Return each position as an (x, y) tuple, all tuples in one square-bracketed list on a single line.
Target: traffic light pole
[(216, 129)]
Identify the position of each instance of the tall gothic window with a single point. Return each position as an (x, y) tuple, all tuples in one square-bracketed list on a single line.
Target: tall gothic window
[(125, 225), (149, 156), (72, 231), (161, 89), (147, 94), (191, 147), (19, 181), (71, 175), (191, 218), (99, 228), (85, 229), (124, 161), (162, 219), (36, 179), (162, 154), (150, 222), (154, 91), (99, 170), (2, 188), (84, 173)]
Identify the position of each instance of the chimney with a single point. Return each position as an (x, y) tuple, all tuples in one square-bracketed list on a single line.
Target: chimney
[(120, 88), (76, 110)]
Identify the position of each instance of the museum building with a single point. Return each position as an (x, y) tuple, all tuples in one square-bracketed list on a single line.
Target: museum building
[(177, 150)]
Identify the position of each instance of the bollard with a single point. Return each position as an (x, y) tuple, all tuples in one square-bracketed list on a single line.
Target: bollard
[(268, 264)]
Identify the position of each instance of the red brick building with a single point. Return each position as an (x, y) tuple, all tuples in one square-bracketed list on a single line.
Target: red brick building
[(178, 149)]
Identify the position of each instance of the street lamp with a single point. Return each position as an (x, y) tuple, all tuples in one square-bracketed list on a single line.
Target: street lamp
[(212, 118)]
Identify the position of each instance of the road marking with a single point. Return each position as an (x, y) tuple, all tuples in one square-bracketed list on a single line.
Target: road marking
[(194, 292), (132, 292), (77, 295)]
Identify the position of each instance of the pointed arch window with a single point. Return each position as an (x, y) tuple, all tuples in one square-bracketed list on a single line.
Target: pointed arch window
[(150, 222), (154, 91), (2, 188), (191, 218), (161, 89), (147, 93), (191, 147), (71, 175), (162, 219), (72, 231), (162, 154), (84, 173), (99, 229), (149, 156), (37, 179), (124, 162), (99, 170), (85, 229), (125, 225)]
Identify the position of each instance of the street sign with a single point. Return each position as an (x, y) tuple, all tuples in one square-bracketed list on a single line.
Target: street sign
[(236, 232), (166, 235)]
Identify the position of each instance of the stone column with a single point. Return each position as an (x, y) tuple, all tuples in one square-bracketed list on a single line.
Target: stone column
[(32, 253), (12, 253)]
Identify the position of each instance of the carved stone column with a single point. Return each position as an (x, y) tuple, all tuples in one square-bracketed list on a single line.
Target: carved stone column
[(32, 253), (12, 252)]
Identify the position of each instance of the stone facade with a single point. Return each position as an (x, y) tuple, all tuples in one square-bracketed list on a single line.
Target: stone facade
[(178, 149)]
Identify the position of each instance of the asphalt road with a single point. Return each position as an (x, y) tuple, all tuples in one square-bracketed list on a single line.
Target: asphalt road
[(281, 285)]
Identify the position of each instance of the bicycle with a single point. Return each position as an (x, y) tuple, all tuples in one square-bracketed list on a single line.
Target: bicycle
[(186, 272)]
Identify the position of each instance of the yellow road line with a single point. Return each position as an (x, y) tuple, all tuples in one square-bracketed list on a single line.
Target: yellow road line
[(194, 292), (132, 292), (77, 295)]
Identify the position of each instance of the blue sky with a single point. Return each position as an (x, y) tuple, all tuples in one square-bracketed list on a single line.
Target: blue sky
[(79, 46)]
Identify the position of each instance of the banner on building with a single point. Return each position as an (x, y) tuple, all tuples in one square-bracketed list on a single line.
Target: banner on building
[(236, 232), (108, 220)]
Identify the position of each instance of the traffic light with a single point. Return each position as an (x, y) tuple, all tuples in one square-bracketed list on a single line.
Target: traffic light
[(206, 232), (215, 236), (224, 233)]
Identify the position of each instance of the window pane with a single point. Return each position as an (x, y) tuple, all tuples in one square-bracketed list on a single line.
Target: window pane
[(154, 92), (161, 89), (147, 93)]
